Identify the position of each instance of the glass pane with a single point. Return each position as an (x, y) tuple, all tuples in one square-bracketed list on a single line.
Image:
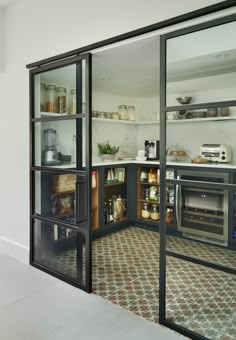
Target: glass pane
[(55, 92), (201, 66), (201, 299), (55, 143), (55, 196), (60, 249), (203, 225)]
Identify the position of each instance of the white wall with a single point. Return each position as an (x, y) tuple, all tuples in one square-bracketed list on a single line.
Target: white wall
[(1, 39), (40, 29)]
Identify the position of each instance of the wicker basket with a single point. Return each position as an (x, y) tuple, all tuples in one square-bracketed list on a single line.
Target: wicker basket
[(64, 183)]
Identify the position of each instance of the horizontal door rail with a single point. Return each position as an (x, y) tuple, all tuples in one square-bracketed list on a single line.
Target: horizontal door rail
[(59, 223), (56, 118), (81, 173), (202, 262), (200, 184), (226, 103)]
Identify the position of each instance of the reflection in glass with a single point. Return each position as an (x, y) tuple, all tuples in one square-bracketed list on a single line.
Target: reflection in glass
[(54, 92), (202, 65), (201, 299), (55, 143), (60, 249), (55, 196)]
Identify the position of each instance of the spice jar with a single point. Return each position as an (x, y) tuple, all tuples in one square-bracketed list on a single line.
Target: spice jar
[(145, 210), (144, 175), (123, 112), (155, 215), (73, 101), (51, 99), (42, 97), (61, 99)]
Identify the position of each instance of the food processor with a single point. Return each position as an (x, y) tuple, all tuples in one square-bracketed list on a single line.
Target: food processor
[(50, 154)]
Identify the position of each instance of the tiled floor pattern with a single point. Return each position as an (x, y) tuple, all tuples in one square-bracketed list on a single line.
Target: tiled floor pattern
[(126, 269)]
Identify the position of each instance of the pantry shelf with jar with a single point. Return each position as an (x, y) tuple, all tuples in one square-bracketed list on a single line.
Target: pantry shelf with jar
[(148, 195)]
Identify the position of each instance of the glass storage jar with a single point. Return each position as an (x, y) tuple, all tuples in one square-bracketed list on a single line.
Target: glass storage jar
[(155, 215), (51, 99), (42, 97), (61, 99), (145, 210), (123, 112), (131, 113), (73, 101)]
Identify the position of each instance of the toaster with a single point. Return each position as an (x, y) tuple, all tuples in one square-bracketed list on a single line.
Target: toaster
[(216, 152)]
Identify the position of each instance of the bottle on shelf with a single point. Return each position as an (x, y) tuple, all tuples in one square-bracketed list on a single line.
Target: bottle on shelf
[(105, 213), (169, 215), (94, 180), (110, 211), (158, 176), (152, 176)]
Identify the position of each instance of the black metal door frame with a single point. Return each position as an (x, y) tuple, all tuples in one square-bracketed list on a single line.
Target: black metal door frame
[(82, 171), (163, 181)]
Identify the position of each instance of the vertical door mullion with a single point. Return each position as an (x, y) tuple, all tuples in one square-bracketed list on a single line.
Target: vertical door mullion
[(162, 227), (88, 165)]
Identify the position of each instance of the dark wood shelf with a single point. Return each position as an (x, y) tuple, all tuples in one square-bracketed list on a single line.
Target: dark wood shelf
[(155, 202), (112, 184), (147, 183)]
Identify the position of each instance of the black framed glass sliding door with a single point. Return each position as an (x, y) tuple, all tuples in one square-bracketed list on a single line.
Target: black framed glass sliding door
[(198, 111), (60, 115)]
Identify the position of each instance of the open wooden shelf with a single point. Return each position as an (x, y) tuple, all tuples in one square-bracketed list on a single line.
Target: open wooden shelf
[(63, 193), (112, 184), (155, 202)]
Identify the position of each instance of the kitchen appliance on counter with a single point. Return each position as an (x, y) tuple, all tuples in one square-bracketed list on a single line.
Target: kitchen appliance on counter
[(152, 148), (216, 152), (50, 154)]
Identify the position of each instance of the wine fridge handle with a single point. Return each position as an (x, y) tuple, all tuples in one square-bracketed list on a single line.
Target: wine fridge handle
[(177, 202)]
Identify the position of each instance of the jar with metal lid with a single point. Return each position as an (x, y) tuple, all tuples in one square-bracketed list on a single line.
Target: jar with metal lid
[(144, 175), (145, 210), (73, 101), (131, 113), (61, 99), (155, 215), (123, 112), (42, 97), (51, 95)]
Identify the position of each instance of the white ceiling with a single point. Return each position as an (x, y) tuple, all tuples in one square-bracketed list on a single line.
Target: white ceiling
[(133, 69), (5, 3)]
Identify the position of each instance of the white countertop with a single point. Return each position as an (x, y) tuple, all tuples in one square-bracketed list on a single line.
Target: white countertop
[(207, 165)]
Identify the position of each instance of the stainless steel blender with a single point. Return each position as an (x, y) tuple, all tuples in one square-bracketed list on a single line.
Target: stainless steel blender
[(50, 154)]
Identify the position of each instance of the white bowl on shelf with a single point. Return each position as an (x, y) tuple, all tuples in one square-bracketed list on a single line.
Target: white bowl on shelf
[(141, 159)]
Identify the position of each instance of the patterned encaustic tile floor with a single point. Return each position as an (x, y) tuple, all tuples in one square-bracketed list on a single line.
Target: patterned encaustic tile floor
[(126, 272)]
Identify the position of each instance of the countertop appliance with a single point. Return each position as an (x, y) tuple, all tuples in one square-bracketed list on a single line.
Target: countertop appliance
[(152, 148), (50, 154), (216, 152)]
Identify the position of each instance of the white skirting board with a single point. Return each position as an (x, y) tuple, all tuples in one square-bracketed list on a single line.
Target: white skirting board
[(14, 249)]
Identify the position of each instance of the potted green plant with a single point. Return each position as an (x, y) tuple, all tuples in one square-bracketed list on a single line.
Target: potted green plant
[(107, 151)]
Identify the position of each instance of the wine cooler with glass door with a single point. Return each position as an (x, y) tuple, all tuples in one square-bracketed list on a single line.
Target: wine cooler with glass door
[(202, 212)]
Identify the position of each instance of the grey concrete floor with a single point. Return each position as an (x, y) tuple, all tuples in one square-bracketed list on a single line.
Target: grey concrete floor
[(36, 306)]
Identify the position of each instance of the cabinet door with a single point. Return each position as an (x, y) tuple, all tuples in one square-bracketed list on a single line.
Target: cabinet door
[(197, 89), (61, 169)]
